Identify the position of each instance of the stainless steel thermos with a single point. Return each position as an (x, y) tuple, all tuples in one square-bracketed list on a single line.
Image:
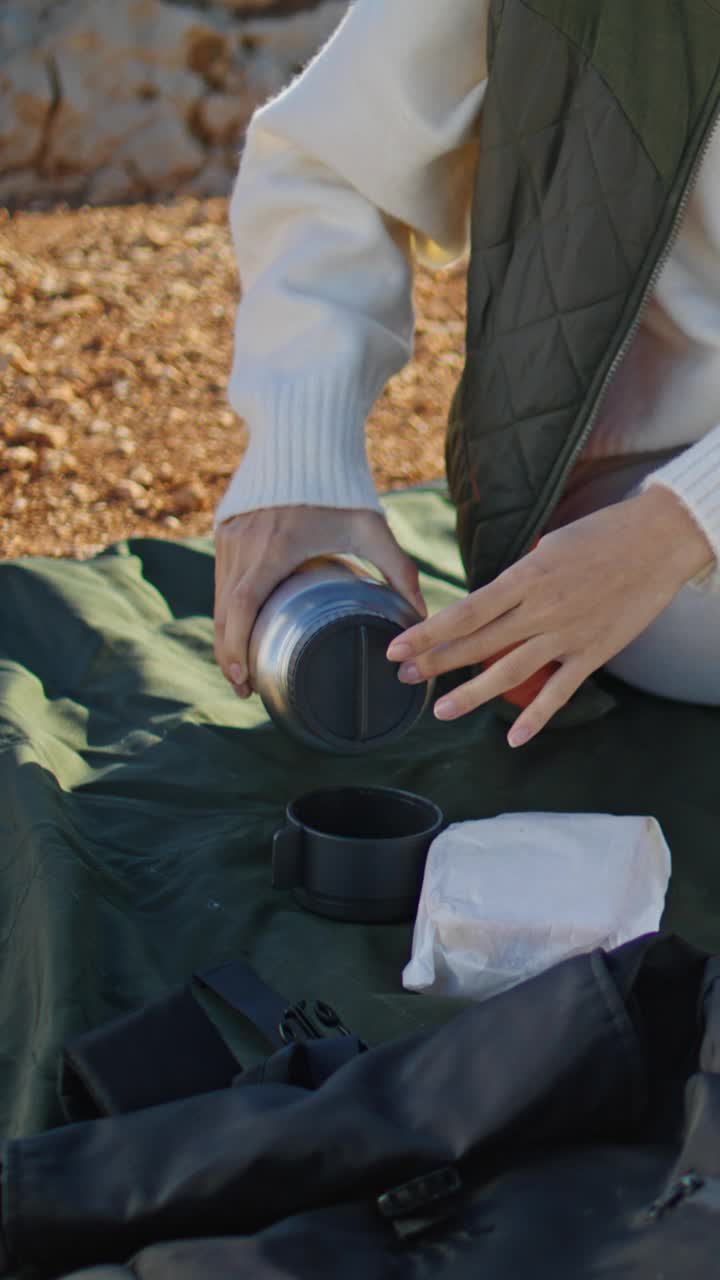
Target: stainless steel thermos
[(317, 659)]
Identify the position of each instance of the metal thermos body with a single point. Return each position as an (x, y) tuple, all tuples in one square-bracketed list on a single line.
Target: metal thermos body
[(317, 659)]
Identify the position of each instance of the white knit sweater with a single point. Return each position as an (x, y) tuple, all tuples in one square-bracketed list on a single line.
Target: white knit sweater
[(360, 167)]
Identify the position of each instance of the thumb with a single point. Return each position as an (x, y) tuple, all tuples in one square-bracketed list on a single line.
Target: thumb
[(377, 544)]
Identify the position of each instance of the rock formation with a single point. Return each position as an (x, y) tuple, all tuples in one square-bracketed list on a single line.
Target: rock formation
[(103, 101)]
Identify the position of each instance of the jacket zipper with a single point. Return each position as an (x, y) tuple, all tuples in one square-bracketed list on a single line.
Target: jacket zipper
[(633, 329)]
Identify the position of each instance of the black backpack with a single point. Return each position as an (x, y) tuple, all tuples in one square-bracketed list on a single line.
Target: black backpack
[(569, 1128)]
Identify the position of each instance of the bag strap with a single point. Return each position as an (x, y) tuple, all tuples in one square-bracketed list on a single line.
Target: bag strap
[(238, 985), (171, 1049)]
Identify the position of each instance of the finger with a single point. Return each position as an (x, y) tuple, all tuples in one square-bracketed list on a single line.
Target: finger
[(240, 685), (223, 590), (226, 571), (378, 545), (219, 613), (244, 601), (478, 647), (457, 620), (556, 692), (506, 673)]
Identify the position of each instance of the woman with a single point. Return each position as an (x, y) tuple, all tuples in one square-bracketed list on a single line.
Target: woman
[(589, 407)]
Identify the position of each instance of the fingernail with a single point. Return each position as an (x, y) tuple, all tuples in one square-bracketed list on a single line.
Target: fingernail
[(398, 651), (409, 674), (517, 737), (445, 709), (420, 605), (237, 674)]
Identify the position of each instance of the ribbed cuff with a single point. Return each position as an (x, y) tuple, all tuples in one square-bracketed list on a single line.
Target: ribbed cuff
[(307, 446), (694, 477)]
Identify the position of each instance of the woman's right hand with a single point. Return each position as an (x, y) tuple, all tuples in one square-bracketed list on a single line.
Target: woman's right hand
[(258, 550)]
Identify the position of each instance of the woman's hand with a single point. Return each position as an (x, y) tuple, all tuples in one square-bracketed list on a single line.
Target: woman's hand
[(584, 593), (255, 552)]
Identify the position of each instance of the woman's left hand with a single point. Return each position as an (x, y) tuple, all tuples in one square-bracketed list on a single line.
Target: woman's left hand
[(584, 593)]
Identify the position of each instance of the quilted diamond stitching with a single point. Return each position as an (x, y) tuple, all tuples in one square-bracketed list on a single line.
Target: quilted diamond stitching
[(530, 177), (611, 220)]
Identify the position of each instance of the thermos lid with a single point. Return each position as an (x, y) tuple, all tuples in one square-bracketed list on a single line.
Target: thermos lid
[(343, 688)]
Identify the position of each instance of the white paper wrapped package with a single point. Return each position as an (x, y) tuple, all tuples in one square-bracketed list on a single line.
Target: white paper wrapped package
[(504, 898)]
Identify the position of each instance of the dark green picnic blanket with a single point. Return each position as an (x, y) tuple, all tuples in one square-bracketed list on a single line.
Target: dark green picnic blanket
[(139, 799)]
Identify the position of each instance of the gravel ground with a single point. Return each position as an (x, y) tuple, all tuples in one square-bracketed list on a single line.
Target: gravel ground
[(115, 347)]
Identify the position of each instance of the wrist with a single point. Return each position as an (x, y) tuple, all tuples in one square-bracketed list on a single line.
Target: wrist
[(682, 546)]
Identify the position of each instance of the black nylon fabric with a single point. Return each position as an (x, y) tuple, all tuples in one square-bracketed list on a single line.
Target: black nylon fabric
[(570, 215), (574, 1219), (240, 1159), (167, 1050), (548, 1098)]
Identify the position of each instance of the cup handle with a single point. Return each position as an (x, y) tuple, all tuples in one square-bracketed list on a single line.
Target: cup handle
[(287, 858)]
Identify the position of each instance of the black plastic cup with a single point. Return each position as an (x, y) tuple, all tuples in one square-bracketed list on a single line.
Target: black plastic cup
[(356, 853)]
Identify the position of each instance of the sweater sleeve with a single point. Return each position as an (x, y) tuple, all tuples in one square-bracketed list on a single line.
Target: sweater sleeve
[(363, 164), (694, 477)]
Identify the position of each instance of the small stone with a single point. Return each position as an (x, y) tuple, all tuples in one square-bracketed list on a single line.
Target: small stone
[(171, 522), (80, 305), (141, 253), (199, 235), (122, 388), (20, 457), (128, 490), (17, 358), (81, 282), (99, 427), (81, 492), (36, 432), (158, 235), (166, 471), (18, 506), (183, 290), (124, 448), (62, 391), (142, 475), (189, 497), (50, 285), (57, 461)]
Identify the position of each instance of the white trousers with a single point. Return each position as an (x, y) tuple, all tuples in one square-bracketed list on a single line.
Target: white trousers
[(678, 655)]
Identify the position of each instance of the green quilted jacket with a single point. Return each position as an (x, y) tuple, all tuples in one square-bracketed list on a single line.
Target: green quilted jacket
[(597, 116)]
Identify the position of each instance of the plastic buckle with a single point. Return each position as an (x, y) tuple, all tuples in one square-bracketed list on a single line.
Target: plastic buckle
[(417, 1205)]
